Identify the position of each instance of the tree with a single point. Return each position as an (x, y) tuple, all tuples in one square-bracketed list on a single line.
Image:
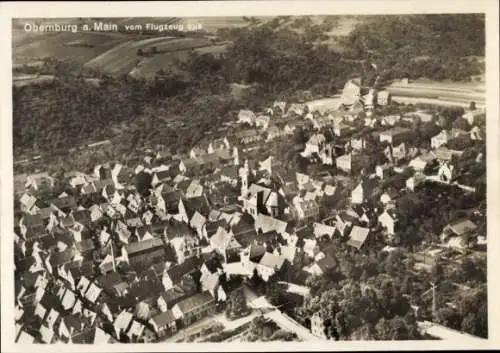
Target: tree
[(142, 311), (237, 304), (143, 182), (383, 330)]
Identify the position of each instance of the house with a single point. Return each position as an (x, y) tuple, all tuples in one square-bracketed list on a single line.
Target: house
[(297, 109), (310, 247), (383, 98), (164, 323), (268, 265), (121, 176), (351, 92), (390, 120), (358, 236), (321, 230), (454, 234), (369, 99), (399, 151), (341, 129), (419, 163), (222, 241), (415, 180), (344, 162), (389, 196), (266, 223), (169, 201), (357, 144), (151, 250), (194, 308), (476, 116), (445, 172), (39, 180), (445, 136), (305, 209), (388, 221), (197, 222), (395, 135), (246, 116), (357, 194), (321, 266), (218, 144), (197, 152), (314, 144), (477, 134), (249, 136), (318, 326), (274, 132), (229, 174), (122, 323), (195, 189), (262, 121)]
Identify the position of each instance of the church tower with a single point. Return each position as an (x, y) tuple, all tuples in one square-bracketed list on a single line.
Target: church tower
[(244, 173)]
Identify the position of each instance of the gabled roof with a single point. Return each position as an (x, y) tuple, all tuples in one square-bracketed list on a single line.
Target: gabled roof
[(268, 223), (221, 239), (173, 295), (189, 265), (197, 220), (358, 236), (143, 246), (64, 202), (462, 227), (163, 319), (196, 301), (272, 261)]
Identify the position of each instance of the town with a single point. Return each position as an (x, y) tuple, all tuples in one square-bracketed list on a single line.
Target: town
[(283, 227)]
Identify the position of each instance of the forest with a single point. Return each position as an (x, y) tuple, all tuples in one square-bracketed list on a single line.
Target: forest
[(440, 47)]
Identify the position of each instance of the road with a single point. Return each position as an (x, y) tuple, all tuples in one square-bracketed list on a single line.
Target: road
[(446, 333), (283, 320)]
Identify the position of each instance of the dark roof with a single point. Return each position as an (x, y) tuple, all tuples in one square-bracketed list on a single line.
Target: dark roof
[(196, 301), (172, 199), (67, 202), (173, 295), (62, 257), (199, 204), (212, 226), (144, 246), (109, 280), (164, 319), (257, 252), (177, 229), (32, 221), (47, 242), (85, 245), (191, 264), (213, 264), (87, 268), (82, 216), (326, 263)]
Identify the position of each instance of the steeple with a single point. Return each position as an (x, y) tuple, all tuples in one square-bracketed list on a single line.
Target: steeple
[(244, 173)]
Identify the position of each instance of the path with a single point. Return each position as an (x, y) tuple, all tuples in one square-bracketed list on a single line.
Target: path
[(283, 320), (446, 333)]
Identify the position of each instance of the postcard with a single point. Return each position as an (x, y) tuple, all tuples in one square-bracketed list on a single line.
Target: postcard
[(249, 175)]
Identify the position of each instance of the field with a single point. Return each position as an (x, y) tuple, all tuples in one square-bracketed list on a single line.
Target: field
[(56, 45), (448, 93)]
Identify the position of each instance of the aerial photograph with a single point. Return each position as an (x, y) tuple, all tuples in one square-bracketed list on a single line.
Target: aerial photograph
[(249, 179)]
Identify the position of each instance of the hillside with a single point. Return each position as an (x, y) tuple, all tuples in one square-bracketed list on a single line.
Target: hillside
[(175, 93)]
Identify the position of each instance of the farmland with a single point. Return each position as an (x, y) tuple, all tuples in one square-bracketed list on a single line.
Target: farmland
[(452, 93)]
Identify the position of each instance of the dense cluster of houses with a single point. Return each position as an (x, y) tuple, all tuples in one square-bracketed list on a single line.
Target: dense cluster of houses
[(103, 261)]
